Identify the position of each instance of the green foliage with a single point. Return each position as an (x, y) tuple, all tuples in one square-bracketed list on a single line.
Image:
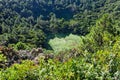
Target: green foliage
[(100, 66), (17, 71), (2, 58), (21, 46), (101, 35)]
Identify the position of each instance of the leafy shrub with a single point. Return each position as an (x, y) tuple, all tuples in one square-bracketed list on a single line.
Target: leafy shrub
[(2, 58), (98, 68), (17, 71), (21, 46), (2, 61)]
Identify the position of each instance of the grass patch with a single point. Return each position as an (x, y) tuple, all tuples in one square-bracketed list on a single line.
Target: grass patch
[(67, 43)]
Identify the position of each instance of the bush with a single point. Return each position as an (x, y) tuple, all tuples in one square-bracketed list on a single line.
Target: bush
[(21, 46), (18, 71)]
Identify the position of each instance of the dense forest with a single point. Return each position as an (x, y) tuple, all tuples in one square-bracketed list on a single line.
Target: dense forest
[(59, 39)]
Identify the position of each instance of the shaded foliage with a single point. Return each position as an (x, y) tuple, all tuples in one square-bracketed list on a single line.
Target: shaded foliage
[(21, 18)]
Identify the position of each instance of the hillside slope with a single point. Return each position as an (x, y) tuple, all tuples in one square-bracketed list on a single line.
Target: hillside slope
[(34, 22)]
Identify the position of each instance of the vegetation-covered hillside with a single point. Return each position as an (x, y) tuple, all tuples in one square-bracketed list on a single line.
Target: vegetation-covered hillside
[(59, 40), (34, 22)]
